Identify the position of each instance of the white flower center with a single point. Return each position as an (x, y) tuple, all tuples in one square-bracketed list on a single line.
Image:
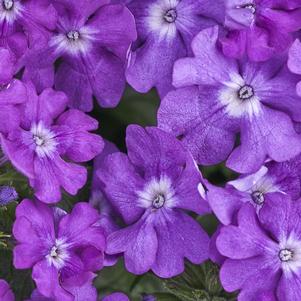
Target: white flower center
[(286, 255), (43, 139), (8, 4), (74, 42), (170, 16), (161, 18), (251, 7), (10, 11), (257, 197), (289, 254), (239, 98), (157, 194), (58, 254)]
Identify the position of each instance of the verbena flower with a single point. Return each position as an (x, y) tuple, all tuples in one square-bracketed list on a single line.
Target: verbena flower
[(25, 23), (92, 40), (253, 189), (260, 29), (5, 292), (12, 92), (218, 97), (48, 141), (62, 249), (294, 62), (165, 30), (99, 200), (263, 253), (151, 188), (7, 195), (80, 292)]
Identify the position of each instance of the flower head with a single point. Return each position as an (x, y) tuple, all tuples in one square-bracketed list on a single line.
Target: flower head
[(218, 97), (260, 29), (7, 195), (165, 30), (266, 248), (48, 135), (92, 41), (63, 249), (150, 189), (5, 292)]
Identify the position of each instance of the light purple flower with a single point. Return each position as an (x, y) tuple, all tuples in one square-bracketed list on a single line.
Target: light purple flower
[(165, 30), (5, 292), (294, 62), (25, 23), (264, 253), (259, 28), (151, 188), (253, 189), (218, 97), (92, 40), (7, 195), (62, 249), (12, 92), (116, 297), (48, 135), (99, 200)]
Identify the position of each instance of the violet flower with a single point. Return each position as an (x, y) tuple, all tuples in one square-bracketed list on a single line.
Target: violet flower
[(7, 195), (116, 297), (218, 97), (25, 23), (294, 62), (260, 29), (49, 135), (92, 40), (165, 30), (151, 188), (264, 253), (62, 249), (253, 189), (5, 292), (12, 92)]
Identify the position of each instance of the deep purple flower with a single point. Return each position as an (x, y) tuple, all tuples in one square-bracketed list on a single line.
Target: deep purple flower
[(99, 200), (165, 30), (63, 249), (48, 135), (92, 39), (151, 188), (12, 92), (253, 189), (217, 98), (84, 292), (116, 297), (294, 61), (5, 292), (260, 28), (7, 195), (264, 253)]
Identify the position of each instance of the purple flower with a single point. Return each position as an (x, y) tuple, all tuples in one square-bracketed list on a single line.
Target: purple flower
[(259, 28), (48, 135), (165, 30), (5, 292), (92, 40), (99, 200), (151, 188), (7, 195), (116, 297), (264, 253), (25, 23), (62, 249), (12, 92), (217, 98), (82, 292), (253, 189), (294, 61)]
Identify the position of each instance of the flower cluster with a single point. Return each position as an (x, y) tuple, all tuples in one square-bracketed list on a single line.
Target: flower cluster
[(228, 74)]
